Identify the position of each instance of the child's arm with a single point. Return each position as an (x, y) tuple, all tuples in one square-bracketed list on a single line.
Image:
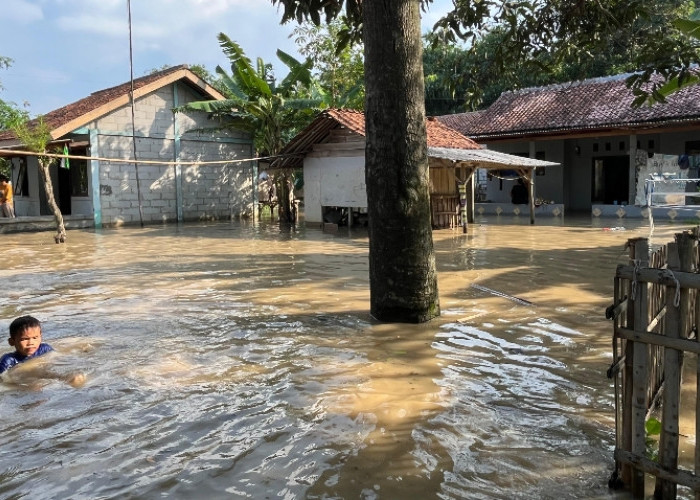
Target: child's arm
[(39, 368)]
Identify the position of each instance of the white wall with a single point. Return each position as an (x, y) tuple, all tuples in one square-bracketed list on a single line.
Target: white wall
[(333, 182)]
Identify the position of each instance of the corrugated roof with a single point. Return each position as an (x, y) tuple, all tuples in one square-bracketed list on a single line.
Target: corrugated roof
[(575, 107), (75, 115), (486, 158)]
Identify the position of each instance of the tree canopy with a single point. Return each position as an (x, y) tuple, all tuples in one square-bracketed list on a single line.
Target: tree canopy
[(509, 44), (254, 102), (338, 69)]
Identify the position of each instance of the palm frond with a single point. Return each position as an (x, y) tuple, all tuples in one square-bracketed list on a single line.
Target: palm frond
[(298, 72), (230, 84), (217, 107), (232, 50), (243, 72)]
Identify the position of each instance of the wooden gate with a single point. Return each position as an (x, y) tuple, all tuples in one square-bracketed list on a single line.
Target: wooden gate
[(655, 315)]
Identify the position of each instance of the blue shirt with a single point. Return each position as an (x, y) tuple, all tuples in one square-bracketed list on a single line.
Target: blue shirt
[(14, 358)]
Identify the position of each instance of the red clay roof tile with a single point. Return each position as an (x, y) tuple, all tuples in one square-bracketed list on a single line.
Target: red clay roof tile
[(62, 116), (600, 103)]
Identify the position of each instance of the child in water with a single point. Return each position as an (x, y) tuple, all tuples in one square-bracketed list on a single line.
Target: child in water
[(25, 337)]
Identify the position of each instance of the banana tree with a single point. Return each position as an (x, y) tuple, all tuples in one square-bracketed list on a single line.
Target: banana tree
[(271, 113)]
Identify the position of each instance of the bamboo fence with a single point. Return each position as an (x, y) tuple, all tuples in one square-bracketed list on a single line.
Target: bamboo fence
[(655, 317)]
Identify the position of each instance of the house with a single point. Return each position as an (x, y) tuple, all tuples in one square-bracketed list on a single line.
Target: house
[(616, 160), (331, 151), (179, 174)]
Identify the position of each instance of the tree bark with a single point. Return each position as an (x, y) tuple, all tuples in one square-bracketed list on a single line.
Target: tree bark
[(403, 279), (44, 164), (284, 197)]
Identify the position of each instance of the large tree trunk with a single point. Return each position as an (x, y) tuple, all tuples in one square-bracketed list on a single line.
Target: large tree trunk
[(44, 164), (403, 280)]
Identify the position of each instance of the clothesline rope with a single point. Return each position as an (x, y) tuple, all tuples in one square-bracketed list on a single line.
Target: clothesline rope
[(140, 162), (677, 296)]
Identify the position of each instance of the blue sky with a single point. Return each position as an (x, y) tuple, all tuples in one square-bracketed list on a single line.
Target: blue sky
[(63, 50)]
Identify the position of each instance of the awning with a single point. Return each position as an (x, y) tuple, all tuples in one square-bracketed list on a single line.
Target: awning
[(488, 159)]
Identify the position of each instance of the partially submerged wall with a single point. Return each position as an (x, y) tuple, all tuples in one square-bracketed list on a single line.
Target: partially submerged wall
[(169, 192)]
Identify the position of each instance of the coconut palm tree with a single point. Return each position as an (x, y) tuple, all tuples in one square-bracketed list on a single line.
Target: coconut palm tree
[(272, 113)]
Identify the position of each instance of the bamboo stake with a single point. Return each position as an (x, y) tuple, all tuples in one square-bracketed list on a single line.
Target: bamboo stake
[(637, 373), (668, 444), (615, 374), (697, 389)]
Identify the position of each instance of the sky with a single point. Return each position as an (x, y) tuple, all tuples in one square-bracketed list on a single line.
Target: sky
[(63, 50)]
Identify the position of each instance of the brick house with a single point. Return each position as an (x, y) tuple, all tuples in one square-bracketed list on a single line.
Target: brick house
[(99, 128)]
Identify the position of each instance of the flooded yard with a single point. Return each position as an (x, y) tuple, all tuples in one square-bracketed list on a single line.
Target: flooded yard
[(238, 360)]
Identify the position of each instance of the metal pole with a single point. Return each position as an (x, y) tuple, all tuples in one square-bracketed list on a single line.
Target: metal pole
[(133, 119)]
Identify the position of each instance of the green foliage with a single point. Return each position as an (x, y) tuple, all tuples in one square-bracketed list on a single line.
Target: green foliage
[(272, 113), (502, 57), (338, 67), (509, 45), (11, 115), (35, 135), (653, 428), (676, 61)]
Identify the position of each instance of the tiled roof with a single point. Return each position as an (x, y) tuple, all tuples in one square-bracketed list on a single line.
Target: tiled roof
[(442, 136), (461, 121), (77, 114), (439, 134), (578, 107)]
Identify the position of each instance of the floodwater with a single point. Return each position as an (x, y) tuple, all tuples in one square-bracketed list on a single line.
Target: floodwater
[(238, 360)]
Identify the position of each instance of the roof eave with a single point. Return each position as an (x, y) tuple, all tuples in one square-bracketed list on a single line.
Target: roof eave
[(593, 130), (182, 74)]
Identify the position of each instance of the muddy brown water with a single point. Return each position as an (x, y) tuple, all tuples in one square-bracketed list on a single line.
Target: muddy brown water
[(238, 360)]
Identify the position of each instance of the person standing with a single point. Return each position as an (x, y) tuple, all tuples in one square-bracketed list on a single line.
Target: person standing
[(519, 194), (7, 206)]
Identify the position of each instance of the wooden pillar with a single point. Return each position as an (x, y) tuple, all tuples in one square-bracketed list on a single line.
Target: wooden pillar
[(471, 193), (462, 186), (632, 172), (697, 392), (530, 181)]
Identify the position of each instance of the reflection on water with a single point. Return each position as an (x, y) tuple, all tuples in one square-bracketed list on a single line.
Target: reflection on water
[(239, 360)]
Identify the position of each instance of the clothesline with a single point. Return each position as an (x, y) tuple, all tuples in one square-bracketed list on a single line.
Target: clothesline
[(140, 162)]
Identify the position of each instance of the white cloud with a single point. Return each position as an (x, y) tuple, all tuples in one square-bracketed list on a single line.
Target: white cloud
[(209, 8), (20, 11), (81, 46), (90, 23)]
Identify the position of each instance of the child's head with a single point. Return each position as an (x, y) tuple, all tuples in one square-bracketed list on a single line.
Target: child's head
[(25, 335), (4, 179)]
